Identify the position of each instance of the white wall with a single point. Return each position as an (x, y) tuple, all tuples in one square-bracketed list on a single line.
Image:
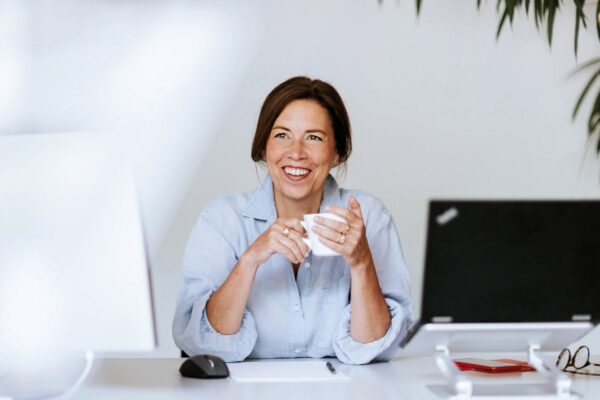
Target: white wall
[(438, 106)]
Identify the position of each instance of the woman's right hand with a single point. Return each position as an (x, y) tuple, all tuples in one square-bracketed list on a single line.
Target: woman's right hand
[(283, 237)]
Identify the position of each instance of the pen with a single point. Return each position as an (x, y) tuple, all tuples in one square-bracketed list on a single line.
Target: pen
[(330, 367)]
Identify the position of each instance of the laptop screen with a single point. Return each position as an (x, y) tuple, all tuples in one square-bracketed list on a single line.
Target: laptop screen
[(512, 261)]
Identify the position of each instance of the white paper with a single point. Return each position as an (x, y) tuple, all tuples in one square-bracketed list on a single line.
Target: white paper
[(284, 371)]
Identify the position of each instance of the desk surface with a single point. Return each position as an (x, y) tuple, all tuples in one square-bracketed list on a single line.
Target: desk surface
[(410, 378)]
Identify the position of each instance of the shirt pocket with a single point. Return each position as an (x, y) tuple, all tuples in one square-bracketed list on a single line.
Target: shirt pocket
[(337, 292), (332, 301)]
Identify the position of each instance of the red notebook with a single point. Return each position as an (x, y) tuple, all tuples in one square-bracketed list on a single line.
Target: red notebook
[(492, 366)]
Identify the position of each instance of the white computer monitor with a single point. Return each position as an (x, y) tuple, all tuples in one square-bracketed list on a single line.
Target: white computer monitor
[(72, 254), (74, 275)]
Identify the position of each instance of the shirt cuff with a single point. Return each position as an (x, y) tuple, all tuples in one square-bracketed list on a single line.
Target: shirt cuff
[(349, 351), (203, 338)]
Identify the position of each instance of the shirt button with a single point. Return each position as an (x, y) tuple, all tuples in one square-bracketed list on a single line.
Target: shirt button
[(306, 264), (296, 307), (297, 351)]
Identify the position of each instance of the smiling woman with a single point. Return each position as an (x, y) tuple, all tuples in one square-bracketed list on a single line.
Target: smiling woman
[(244, 292)]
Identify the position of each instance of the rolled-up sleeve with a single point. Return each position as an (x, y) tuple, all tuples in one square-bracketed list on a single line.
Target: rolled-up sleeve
[(208, 259), (395, 286)]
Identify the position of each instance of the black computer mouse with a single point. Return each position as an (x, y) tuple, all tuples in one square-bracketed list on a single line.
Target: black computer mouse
[(204, 367)]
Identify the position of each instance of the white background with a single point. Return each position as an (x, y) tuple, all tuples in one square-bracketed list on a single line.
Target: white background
[(439, 108)]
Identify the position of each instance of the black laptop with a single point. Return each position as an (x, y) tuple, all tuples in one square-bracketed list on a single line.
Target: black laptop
[(511, 261)]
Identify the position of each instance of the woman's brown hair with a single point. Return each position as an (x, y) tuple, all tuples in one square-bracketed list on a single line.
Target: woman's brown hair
[(303, 88)]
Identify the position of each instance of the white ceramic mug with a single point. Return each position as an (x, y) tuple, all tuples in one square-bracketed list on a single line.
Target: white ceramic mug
[(319, 248)]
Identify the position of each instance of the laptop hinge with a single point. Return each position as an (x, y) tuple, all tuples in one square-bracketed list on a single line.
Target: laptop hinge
[(581, 317)]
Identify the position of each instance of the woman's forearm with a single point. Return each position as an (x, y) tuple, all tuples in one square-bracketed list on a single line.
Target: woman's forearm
[(370, 318), (226, 306)]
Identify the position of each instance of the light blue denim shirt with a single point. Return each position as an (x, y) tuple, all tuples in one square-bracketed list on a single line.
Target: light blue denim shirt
[(287, 317)]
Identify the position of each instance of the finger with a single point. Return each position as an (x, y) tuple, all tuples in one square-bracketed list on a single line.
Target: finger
[(354, 205), (329, 234), (291, 234), (285, 251), (342, 212), (293, 247), (336, 226), (353, 219), (293, 223), (334, 245), (298, 238), (283, 229)]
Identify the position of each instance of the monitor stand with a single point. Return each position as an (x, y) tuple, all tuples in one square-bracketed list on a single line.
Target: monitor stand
[(557, 387), (58, 377)]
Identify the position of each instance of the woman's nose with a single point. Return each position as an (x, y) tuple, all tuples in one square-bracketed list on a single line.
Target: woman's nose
[(297, 150)]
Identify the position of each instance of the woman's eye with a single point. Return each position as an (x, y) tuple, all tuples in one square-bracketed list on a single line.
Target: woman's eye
[(280, 135), (315, 137)]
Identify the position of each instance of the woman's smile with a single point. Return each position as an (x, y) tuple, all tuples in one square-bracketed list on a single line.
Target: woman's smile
[(296, 174)]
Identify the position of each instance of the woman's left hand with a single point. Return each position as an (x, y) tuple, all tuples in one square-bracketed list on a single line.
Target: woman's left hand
[(349, 239)]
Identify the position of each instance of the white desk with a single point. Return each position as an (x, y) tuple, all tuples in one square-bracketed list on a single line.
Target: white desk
[(406, 379)]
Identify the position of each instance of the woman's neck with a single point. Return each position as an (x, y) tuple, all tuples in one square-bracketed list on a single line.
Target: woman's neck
[(290, 208)]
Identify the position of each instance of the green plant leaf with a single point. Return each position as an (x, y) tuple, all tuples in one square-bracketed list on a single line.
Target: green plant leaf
[(504, 15), (594, 118), (511, 10), (579, 18), (598, 20), (552, 6), (584, 93), (419, 2), (585, 65), (539, 12)]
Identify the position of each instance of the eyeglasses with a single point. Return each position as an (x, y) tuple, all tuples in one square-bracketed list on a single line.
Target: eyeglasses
[(579, 360)]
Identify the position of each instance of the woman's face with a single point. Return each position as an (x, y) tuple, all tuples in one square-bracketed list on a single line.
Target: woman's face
[(301, 150)]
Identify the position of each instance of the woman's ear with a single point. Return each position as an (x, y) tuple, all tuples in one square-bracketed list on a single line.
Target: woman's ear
[(336, 161)]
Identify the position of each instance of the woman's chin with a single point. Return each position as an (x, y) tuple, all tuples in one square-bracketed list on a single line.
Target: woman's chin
[(296, 196), (299, 190), (296, 193)]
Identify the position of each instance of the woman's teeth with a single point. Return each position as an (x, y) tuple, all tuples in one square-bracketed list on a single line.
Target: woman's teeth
[(296, 171)]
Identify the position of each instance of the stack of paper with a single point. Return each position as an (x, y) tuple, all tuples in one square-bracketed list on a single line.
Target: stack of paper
[(284, 371)]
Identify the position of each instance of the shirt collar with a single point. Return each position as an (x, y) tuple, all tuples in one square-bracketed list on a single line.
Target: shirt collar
[(262, 203), (331, 194)]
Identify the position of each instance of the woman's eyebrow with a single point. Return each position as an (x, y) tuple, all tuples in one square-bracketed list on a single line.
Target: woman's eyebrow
[(316, 130)]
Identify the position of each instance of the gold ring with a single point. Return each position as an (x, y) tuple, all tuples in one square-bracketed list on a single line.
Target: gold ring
[(343, 238), (347, 228), (286, 231)]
